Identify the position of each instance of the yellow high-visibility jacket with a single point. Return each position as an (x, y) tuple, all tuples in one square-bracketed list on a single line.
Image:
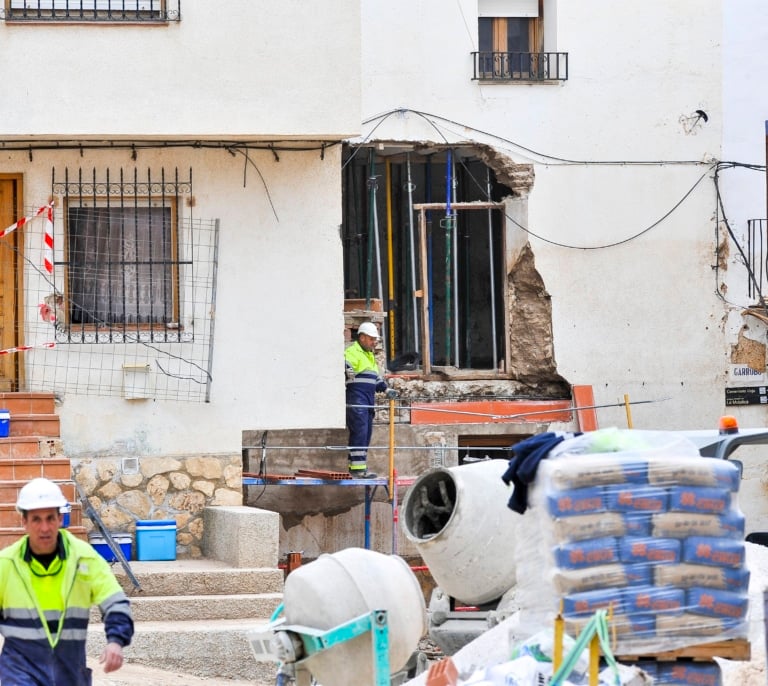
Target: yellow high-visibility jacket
[(44, 612)]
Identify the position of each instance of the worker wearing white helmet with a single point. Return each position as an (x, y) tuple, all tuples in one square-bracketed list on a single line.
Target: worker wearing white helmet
[(363, 382), (49, 579)]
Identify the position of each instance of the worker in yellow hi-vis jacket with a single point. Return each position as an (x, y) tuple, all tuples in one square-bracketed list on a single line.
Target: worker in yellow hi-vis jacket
[(363, 382), (49, 579)]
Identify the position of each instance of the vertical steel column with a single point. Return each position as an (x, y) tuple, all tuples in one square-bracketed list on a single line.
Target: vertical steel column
[(491, 270), (390, 261), (428, 257), (371, 221), (448, 257), (214, 275), (456, 340), (413, 255), (378, 260)]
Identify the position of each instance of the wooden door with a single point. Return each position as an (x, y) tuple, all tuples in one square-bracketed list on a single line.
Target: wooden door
[(10, 280)]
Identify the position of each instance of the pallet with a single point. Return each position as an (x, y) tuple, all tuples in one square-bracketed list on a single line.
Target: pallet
[(732, 649)]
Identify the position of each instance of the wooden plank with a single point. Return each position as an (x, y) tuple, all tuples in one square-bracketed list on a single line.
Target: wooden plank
[(733, 649)]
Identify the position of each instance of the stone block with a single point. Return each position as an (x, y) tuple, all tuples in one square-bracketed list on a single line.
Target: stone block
[(241, 536)]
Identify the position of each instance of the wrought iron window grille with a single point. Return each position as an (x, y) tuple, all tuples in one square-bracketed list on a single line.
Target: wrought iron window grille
[(520, 66), (127, 265), (92, 11)]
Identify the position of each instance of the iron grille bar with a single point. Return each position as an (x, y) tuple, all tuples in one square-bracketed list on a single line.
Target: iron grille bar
[(757, 257), (520, 66), (106, 11)]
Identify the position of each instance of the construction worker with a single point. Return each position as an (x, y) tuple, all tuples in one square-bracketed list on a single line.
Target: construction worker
[(363, 382), (49, 579)]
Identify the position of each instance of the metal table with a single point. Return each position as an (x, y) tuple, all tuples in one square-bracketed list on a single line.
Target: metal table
[(370, 486)]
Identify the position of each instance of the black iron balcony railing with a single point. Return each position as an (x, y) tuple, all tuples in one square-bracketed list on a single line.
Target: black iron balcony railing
[(104, 11), (520, 66), (756, 251)]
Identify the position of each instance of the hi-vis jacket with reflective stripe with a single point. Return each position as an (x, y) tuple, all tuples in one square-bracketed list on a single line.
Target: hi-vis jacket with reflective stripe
[(362, 387), (44, 613)]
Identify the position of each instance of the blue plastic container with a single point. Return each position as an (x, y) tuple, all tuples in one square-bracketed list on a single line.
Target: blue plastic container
[(156, 539), (66, 513), (125, 541), (5, 423)]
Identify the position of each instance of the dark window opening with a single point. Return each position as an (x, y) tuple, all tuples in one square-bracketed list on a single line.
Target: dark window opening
[(121, 265), (476, 448), (464, 255)]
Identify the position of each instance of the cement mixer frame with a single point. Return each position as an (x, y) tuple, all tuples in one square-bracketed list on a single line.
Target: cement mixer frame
[(292, 644)]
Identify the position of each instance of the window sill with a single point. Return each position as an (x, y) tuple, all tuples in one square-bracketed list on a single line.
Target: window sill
[(123, 335), (519, 82)]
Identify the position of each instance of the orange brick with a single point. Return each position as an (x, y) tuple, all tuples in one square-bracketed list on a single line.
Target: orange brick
[(28, 403), (57, 469), (443, 673), (35, 425), (19, 447), (24, 470)]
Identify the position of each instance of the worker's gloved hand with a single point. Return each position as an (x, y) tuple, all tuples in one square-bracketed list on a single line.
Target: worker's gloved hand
[(392, 393), (349, 373)]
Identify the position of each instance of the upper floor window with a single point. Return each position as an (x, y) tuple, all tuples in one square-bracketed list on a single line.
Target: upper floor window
[(511, 43), (106, 11)]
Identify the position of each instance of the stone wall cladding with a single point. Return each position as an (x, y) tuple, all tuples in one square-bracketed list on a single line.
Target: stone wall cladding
[(178, 488)]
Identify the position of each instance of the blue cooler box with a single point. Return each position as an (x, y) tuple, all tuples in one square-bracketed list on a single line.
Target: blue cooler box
[(125, 541), (156, 539), (5, 423)]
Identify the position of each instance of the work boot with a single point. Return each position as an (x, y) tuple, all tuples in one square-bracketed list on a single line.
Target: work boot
[(362, 474)]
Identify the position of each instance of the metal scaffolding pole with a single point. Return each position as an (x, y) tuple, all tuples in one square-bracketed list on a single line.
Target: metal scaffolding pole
[(413, 256), (491, 270)]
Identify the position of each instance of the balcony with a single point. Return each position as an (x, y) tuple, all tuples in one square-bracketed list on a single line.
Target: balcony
[(92, 11), (755, 254), (520, 66)]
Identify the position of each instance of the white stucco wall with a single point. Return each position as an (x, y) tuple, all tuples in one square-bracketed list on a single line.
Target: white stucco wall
[(240, 68), (278, 326), (639, 318)]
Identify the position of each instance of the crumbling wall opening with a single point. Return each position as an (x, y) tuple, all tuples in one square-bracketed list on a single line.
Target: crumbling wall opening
[(477, 308)]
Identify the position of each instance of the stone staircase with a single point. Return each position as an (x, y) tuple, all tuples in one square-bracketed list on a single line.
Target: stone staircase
[(191, 616), (32, 450)]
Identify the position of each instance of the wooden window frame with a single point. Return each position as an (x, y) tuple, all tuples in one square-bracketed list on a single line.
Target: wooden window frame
[(106, 326)]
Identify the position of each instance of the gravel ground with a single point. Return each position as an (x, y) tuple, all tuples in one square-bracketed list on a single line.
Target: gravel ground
[(138, 675)]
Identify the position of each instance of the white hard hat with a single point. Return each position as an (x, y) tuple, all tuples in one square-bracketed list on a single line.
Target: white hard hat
[(40, 494), (369, 329)]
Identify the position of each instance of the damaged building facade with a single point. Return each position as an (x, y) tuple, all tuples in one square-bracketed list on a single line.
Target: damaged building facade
[(527, 196), (617, 250)]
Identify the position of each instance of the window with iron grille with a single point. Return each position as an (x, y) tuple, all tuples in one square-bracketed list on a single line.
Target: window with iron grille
[(132, 11), (123, 257)]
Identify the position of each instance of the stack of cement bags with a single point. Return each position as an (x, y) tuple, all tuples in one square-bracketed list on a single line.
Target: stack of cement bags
[(652, 532)]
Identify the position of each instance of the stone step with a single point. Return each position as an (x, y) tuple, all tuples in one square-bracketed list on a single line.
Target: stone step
[(35, 425), (28, 403), (200, 607), (24, 469), (215, 649), (20, 446), (199, 577), (9, 490)]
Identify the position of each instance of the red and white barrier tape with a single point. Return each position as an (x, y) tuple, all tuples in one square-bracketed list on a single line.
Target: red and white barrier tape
[(47, 211), (24, 348)]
